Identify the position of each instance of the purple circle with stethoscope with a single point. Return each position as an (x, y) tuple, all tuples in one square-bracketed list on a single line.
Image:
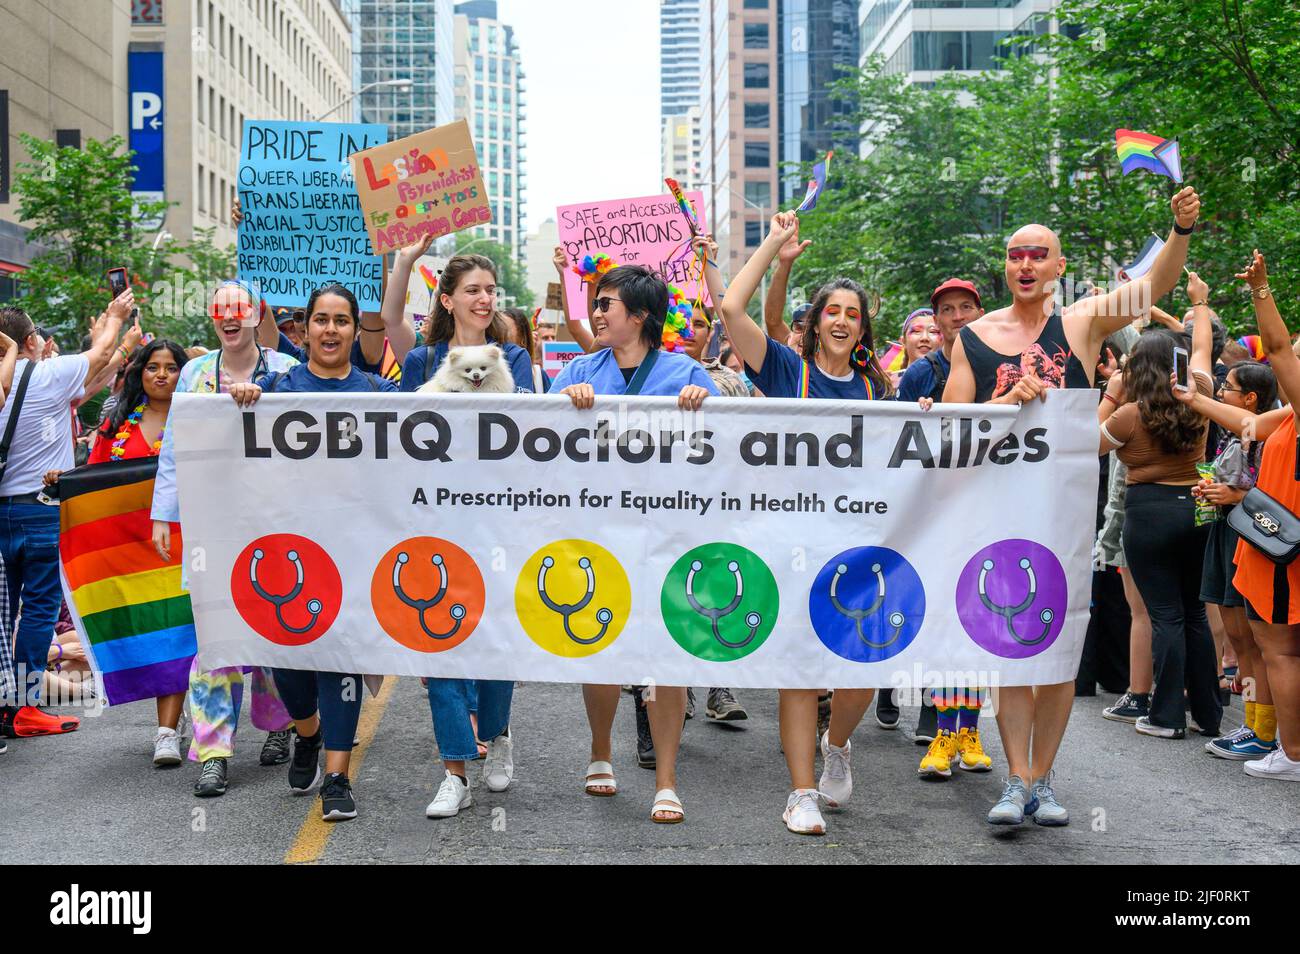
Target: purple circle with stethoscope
[(1012, 597)]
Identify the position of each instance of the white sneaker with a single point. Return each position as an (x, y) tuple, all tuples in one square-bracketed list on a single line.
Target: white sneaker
[(499, 764), (166, 747), (802, 814), (453, 795), (836, 782), (1274, 765)]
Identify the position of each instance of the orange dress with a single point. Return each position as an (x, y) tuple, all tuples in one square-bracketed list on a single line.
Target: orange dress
[(1273, 590)]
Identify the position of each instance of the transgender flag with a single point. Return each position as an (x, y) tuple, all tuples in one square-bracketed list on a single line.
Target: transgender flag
[(134, 618)]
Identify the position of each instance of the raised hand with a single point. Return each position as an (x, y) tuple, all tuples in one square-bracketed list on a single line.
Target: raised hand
[(1256, 273), (120, 307), (793, 248), (236, 212), (705, 246), (560, 260), (784, 226), (410, 254), (1187, 207), (1197, 290)]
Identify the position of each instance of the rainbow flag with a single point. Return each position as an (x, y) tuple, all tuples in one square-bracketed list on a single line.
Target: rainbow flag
[(816, 185), (134, 617), (389, 366), (1139, 150), (684, 205)]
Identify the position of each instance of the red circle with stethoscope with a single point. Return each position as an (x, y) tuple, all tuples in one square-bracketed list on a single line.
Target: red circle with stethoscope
[(286, 588)]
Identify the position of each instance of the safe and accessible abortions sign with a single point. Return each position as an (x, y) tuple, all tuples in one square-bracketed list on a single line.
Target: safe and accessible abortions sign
[(426, 184), (649, 231)]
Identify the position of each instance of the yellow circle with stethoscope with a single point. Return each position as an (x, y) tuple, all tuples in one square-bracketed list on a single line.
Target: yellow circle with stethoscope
[(573, 598)]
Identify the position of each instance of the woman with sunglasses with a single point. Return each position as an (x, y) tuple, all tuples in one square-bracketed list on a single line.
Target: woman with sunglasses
[(627, 316), (325, 706), (464, 711), (836, 360), (216, 696)]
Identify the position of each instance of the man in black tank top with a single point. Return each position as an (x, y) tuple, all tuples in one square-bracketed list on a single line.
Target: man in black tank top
[(1019, 353)]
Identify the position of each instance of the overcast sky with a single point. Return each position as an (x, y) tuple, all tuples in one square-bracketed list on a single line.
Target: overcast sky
[(592, 77)]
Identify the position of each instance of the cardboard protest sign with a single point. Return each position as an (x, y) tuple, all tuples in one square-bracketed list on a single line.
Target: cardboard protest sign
[(649, 231), (554, 299), (302, 225), (426, 184), (423, 283), (556, 354)]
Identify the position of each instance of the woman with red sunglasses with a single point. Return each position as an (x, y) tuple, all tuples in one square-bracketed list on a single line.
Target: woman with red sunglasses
[(216, 696)]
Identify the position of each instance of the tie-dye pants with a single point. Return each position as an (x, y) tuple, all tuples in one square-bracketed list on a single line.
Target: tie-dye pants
[(214, 701)]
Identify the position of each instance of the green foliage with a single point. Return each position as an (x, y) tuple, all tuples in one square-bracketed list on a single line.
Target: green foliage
[(512, 277), (959, 167), (77, 204)]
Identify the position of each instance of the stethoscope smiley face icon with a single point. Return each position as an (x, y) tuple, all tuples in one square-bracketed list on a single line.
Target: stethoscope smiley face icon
[(572, 598), (427, 594), (566, 610), (719, 602), (286, 588), (1011, 598), (867, 604)]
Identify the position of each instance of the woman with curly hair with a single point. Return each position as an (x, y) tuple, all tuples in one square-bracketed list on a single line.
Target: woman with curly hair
[(1161, 440)]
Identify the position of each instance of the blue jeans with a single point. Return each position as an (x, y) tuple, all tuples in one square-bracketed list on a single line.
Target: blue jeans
[(29, 543), (451, 701), (335, 695)]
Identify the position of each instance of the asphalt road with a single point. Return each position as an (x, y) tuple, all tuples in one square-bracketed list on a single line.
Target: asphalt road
[(95, 797)]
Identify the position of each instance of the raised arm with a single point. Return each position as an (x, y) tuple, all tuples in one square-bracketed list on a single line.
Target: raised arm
[(1272, 329), (749, 340), (104, 336), (707, 249), (1106, 314), (120, 356), (1202, 327), (1160, 316), (774, 303), (7, 366), (390, 324), (577, 330)]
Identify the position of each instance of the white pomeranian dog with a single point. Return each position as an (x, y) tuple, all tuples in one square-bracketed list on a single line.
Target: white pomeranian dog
[(473, 369)]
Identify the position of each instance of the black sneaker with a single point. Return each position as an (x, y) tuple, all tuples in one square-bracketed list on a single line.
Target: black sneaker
[(212, 779), (304, 770), (886, 709), (7, 722), (723, 707), (275, 750), (927, 724), (336, 801), (645, 743), (1128, 708)]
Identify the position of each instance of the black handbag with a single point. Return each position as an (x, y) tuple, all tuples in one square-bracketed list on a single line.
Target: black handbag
[(1267, 526)]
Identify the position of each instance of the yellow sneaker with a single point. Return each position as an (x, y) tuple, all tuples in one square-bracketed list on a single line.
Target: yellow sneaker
[(972, 754), (939, 757)]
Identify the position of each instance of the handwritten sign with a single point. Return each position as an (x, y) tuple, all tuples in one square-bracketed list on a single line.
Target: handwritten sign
[(556, 354), (426, 184), (649, 231), (554, 296), (302, 225), (422, 284)]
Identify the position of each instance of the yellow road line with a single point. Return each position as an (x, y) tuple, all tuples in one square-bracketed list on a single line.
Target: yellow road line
[(309, 845)]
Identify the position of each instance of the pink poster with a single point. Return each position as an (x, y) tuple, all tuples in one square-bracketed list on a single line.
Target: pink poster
[(649, 231)]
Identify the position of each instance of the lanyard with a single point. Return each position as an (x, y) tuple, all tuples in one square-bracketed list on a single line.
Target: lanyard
[(260, 366)]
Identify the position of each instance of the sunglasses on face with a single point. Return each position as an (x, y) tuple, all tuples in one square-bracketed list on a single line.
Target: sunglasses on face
[(602, 304), (1033, 253)]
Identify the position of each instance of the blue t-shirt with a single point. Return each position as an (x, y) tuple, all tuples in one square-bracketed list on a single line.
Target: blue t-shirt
[(671, 372), (300, 380), (783, 373), (358, 357), (416, 370), (918, 380)]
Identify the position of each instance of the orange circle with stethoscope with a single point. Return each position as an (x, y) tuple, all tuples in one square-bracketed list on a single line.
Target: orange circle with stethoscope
[(427, 594)]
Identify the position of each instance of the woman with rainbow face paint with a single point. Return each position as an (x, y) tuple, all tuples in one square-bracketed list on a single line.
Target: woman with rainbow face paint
[(920, 335), (837, 360), (216, 696)]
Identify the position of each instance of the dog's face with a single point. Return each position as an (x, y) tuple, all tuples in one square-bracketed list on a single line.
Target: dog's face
[(475, 365)]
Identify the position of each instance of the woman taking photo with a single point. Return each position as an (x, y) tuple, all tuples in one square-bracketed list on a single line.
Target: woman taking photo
[(1161, 441), (216, 696), (464, 313), (631, 303), (837, 360), (134, 429), (325, 706)]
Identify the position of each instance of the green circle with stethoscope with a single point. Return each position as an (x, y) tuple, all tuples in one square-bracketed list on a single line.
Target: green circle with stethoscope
[(719, 602)]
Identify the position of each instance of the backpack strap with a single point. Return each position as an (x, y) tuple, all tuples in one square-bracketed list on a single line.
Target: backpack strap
[(274, 382), (940, 375), (15, 407)]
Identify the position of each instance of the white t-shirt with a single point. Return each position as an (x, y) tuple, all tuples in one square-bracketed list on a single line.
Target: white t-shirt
[(43, 437)]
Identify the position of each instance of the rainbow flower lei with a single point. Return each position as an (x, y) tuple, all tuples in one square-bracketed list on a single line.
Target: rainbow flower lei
[(593, 266), (677, 323), (118, 451)]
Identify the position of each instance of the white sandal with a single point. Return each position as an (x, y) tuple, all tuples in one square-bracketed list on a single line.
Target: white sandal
[(600, 775), (666, 800)]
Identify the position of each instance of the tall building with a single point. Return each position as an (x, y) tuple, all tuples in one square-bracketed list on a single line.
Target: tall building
[(739, 145), (405, 40), (490, 73), (819, 41), (680, 78)]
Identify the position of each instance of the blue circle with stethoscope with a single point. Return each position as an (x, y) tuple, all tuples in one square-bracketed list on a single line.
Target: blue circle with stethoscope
[(867, 604)]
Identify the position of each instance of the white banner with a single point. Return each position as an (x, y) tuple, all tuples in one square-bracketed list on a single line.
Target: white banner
[(775, 543)]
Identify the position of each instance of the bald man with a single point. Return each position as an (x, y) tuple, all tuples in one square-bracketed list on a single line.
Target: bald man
[(1019, 353)]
